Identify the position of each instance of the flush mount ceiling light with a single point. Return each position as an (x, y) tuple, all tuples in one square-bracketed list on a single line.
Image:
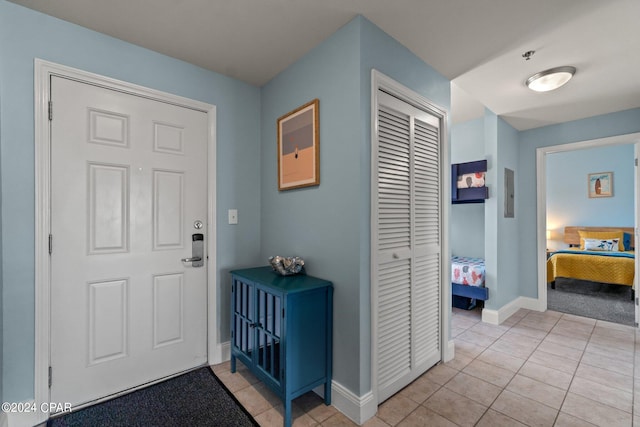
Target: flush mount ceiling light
[(551, 79)]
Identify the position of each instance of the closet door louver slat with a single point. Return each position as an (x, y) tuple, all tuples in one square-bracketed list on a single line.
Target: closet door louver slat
[(407, 215), (394, 202), (394, 214), (427, 192), (426, 243), (394, 349)]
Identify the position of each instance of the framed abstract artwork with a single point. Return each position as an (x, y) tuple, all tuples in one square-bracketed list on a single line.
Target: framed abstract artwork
[(299, 147), (600, 184)]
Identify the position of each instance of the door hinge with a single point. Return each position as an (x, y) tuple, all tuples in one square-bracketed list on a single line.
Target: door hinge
[(283, 313), (636, 323), (50, 110), (637, 302), (636, 162), (50, 375), (50, 244)]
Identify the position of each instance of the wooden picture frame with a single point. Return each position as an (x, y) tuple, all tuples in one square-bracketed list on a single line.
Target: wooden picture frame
[(600, 184), (299, 147)]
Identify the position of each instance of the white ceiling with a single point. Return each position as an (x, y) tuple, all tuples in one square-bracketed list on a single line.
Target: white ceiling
[(478, 44)]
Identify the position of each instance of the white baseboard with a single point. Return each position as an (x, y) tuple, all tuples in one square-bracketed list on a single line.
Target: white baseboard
[(221, 353), (496, 317), (225, 351), (491, 316), (531, 304), (450, 351), (357, 408), (22, 419)]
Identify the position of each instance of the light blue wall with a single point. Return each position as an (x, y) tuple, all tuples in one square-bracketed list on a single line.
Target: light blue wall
[(381, 52), (508, 228), (567, 199), (321, 223), (620, 123), (501, 242), (25, 35), (510, 244), (491, 206), (467, 220), (329, 225)]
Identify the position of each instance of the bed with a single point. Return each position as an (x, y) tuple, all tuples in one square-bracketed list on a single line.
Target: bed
[(467, 281), (592, 256)]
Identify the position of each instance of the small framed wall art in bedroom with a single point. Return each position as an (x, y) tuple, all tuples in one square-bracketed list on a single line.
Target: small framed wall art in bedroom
[(600, 184)]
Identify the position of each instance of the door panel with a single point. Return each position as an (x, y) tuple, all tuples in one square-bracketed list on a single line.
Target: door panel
[(108, 208), (128, 180), (168, 208), (168, 309), (108, 329)]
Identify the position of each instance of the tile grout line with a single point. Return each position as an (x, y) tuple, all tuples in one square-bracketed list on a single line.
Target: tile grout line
[(574, 372), (574, 375), (459, 372), (503, 388), (519, 369), (474, 358), (595, 401), (419, 405), (440, 386)]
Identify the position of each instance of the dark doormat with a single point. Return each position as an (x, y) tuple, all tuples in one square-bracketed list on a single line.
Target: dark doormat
[(600, 301), (196, 398)]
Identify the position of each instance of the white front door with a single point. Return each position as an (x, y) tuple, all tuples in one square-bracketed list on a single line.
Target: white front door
[(128, 182)]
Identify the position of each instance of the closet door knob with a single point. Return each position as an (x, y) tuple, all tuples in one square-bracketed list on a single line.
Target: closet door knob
[(395, 256)]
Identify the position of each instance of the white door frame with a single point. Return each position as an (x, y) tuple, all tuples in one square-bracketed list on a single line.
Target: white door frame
[(541, 183), (42, 82), (381, 81), (636, 215)]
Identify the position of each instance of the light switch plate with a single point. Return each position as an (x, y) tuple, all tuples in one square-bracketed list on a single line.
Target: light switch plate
[(233, 216)]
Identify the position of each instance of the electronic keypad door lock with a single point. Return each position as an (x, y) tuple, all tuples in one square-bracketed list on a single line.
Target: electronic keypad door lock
[(197, 250)]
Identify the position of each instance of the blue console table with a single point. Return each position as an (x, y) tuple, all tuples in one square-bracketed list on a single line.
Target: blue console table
[(281, 329)]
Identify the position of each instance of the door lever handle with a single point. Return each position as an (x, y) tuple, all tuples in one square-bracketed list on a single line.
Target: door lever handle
[(197, 250)]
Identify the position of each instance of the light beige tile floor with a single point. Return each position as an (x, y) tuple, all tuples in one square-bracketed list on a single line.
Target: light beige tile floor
[(536, 369)]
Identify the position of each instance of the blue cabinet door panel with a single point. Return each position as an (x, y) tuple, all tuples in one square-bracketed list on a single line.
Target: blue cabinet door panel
[(281, 329)]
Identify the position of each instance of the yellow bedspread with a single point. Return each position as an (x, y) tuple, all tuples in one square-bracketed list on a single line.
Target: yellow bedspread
[(603, 269)]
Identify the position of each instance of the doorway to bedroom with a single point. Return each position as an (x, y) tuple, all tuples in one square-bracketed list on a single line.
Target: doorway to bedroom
[(589, 217)]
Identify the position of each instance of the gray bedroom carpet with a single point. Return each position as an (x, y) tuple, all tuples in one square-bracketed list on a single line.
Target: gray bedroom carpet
[(596, 300)]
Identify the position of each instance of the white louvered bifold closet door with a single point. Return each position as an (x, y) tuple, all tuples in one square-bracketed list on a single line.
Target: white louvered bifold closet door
[(407, 242)]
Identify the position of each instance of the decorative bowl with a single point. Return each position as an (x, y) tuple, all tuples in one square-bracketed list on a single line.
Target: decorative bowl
[(286, 266)]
